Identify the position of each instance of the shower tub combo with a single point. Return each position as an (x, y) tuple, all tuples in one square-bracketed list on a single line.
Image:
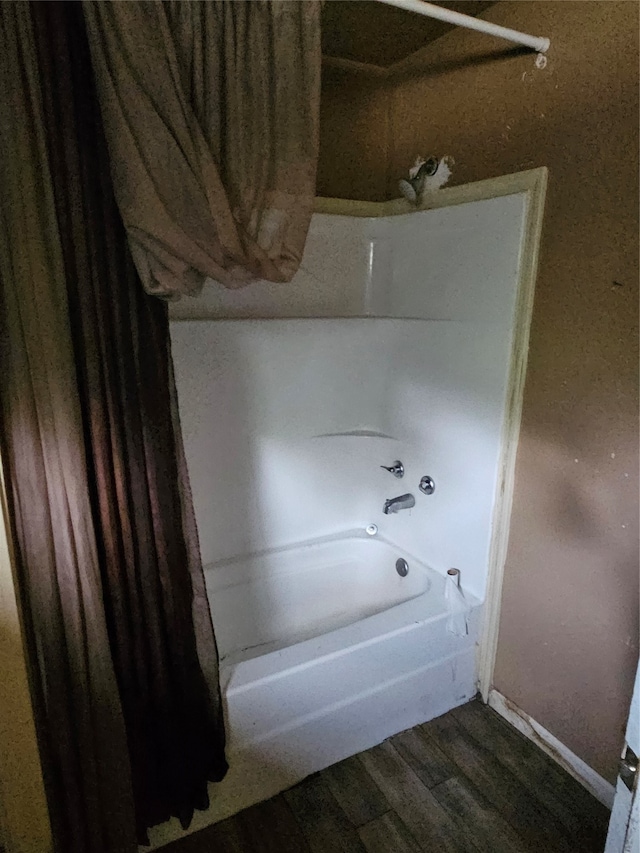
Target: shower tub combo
[(336, 652), (393, 342)]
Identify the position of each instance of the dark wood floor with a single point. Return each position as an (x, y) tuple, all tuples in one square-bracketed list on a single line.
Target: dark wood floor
[(464, 782)]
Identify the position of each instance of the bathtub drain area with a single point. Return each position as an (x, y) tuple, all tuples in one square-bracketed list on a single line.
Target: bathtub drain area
[(402, 567)]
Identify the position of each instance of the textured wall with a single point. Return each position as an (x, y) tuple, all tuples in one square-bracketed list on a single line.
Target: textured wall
[(354, 113), (569, 628)]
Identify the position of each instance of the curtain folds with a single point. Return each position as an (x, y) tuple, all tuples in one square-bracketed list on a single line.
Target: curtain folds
[(211, 115), (123, 651), (81, 727)]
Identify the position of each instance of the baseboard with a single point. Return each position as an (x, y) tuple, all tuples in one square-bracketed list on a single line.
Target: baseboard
[(562, 755)]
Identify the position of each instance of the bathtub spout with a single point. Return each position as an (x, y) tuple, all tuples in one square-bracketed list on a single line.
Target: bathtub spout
[(396, 504)]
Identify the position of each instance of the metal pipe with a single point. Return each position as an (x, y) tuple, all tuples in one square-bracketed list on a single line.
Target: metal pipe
[(541, 45)]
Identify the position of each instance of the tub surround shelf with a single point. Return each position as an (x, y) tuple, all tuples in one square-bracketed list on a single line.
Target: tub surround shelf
[(356, 433)]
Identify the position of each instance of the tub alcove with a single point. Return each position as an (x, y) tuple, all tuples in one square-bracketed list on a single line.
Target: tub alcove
[(402, 337)]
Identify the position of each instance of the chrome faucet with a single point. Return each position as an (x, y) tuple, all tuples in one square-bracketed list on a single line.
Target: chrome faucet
[(396, 504), (397, 469)]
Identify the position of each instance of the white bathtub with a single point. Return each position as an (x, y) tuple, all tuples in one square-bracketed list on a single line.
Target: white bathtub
[(283, 597), (325, 651)]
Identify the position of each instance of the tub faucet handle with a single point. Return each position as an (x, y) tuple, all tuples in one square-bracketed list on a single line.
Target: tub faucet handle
[(397, 469)]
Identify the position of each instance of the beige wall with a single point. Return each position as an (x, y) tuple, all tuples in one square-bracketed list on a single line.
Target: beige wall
[(568, 641), (354, 116)]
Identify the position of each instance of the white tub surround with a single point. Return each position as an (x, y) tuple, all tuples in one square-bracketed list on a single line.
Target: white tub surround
[(287, 422), (456, 262), (403, 337)]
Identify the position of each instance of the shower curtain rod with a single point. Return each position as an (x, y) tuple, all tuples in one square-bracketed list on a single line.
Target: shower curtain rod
[(460, 20)]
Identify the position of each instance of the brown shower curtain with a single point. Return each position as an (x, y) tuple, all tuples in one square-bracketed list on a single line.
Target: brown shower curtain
[(82, 730), (211, 112), (123, 657)]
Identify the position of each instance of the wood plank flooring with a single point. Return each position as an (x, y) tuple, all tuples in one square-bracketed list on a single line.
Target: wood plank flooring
[(466, 782)]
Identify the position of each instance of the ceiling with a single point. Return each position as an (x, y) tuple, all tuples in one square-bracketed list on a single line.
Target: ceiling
[(377, 34)]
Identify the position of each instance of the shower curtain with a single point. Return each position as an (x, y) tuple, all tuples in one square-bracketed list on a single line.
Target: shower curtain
[(211, 114), (81, 728), (123, 657)]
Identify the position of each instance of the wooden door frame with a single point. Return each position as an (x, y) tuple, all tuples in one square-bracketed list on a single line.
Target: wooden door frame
[(24, 813)]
